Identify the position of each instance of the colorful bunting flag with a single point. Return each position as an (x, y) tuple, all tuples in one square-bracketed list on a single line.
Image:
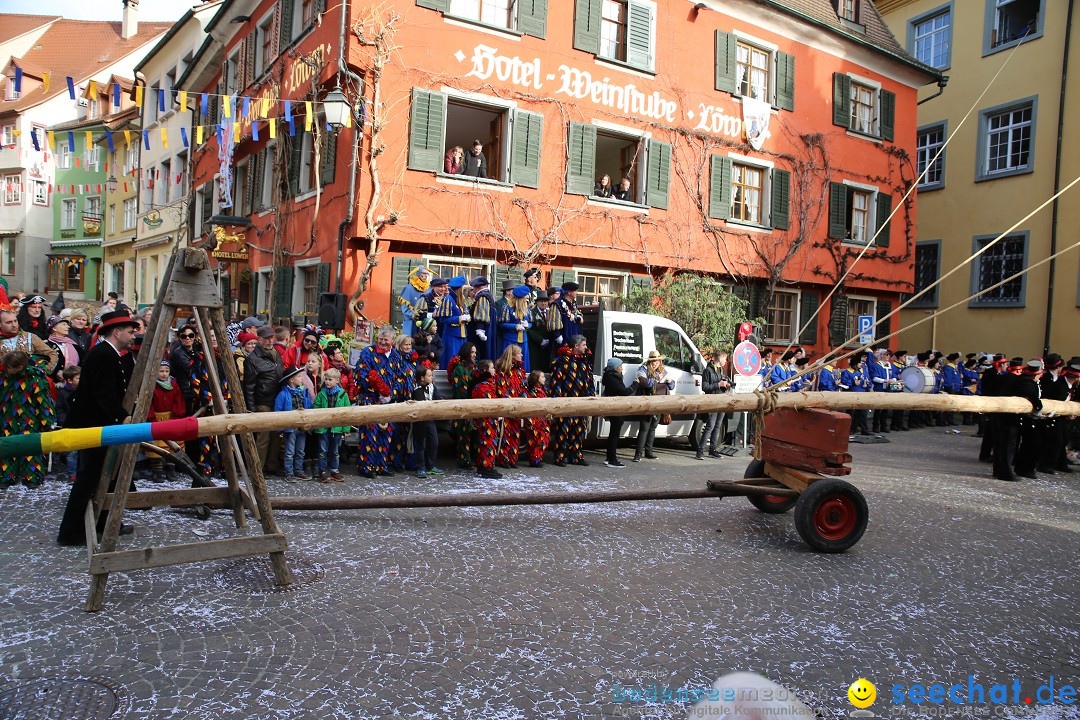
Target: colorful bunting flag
[(116, 94), (273, 127), (161, 99), (46, 81), (254, 131), (112, 148), (198, 134), (18, 79), (164, 138), (247, 105), (183, 136), (146, 138), (71, 87), (183, 100), (203, 111), (307, 116), (138, 95)]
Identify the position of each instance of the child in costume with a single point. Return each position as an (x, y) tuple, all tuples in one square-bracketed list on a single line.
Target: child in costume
[(536, 431)]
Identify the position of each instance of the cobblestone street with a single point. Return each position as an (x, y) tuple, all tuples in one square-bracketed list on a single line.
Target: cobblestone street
[(551, 611)]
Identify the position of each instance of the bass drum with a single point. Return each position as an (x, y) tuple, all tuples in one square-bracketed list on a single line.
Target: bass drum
[(917, 380)]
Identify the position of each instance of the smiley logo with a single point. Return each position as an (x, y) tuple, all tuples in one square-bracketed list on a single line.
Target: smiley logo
[(862, 693)]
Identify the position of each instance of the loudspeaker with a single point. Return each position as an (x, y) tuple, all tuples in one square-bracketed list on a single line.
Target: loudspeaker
[(332, 311)]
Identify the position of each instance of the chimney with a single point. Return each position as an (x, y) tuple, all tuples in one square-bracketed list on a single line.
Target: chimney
[(130, 26)]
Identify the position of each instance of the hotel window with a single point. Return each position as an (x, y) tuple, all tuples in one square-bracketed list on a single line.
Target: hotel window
[(858, 213), (68, 210), (40, 189), (855, 307), (1003, 260), (12, 189), (1009, 22), (452, 268), (928, 142), (847, 9), (265, 35), (745, 192), (310, 279), (511, 138), (752, 74), (63, 156), (1007, 140), (930, 37), (595, 288), (307, 14), (131, 213), (863, 108), (621, 31), (497, 13), (780, 325), (748, 68), (594, 152)]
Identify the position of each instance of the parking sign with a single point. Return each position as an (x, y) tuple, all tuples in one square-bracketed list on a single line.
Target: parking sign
[(866, 332)]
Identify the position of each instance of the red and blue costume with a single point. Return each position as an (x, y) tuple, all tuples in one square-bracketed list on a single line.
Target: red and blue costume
[(380, 377), (571, 376)]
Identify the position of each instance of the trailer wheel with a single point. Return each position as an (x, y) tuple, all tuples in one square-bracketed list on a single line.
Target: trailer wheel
[(831, 515), (772, 504), (202, 512)]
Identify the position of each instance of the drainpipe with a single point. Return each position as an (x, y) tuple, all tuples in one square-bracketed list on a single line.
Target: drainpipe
[(1057, 180), (941, 88), (358, 132)]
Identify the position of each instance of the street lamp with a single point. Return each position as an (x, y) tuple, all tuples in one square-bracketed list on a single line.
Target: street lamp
[(336, 108), (111, 184)]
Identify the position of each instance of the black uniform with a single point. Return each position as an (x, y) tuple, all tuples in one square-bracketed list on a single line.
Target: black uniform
[(990, 386), (1054, 431), (1022, 428)]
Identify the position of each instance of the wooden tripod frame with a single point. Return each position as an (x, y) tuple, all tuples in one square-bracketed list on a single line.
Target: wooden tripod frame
[(187, 282)]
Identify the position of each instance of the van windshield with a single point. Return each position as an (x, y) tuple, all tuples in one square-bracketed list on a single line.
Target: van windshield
[(670, 343)]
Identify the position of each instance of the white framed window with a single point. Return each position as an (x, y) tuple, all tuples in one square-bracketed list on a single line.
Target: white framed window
[(10, 93), (859, 209), (448, 267), (781, 317), (930, 37), (91, 158), (131, 213), (68, 211), (863, 106), (131, 158), (863, 109), (40, 190), (497, 13), (307, 163), (1007, 140), (601, 286), (847, 10), (857, 306), (150, 103), (747, 192), (859, 213), (753, 71), (93, 208), (928, 143), (7, 135), (264, 48), (613, 28), (178, 182), (167, 85), (63, 156), (12, 189), (112, 228)]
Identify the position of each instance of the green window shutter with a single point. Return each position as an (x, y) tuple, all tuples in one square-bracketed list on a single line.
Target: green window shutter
[(505, 272), (426, 120), (725, 61), (781, 199), (785, 81), (442, 5), (249, 58), (399, 277), (559, 277), (884, 307), (884, 207), (249, 185), (322, 282), (639, 27), (838, 200), (841, 100), (329, 157), (581, 163), (808, 305), (296, 148), (658, 176), (532, 17), (215, 103), (838, 320), (283, 291), (756, 302), (587, 27), (285, 24), (525, 154), (887, 120), (719, 187), (260, 172)]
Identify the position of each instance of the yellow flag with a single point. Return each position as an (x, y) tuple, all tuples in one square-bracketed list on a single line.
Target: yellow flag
[(164, 138), (45, 81), (183, 101), (236, 132), (273, 128), (138, 95), (265, 107), (92, 87), (348, 119), (226, 103), (198, 134), (127, 138), (52, 140), (307, 116), (89, 139)]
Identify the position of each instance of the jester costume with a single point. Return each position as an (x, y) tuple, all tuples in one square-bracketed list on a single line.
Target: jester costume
[(571, 376), (490, 431), (379, 375), (414, 290), (511, 385), (462, 431), (27, 407), (399, 452), (207, 455), (536, 431)]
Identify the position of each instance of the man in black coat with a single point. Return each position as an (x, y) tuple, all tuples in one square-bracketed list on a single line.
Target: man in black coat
[(1055, 435), (263, 370), (1020, 442), (99, 400)]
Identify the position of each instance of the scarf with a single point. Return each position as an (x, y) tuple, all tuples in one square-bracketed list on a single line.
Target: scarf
[(165, 384), (421, 285), (8, 336)]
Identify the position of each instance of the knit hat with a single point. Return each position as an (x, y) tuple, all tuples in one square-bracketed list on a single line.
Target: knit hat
[(245, 337), (427, 324), (614, 363)]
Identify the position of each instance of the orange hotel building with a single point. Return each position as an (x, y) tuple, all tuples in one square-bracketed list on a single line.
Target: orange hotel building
[(561, 93)]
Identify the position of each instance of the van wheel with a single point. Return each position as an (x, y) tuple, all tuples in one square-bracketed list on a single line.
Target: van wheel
[(695, 431)]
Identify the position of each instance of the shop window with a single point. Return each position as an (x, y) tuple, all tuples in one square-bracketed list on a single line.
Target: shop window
[(73, 276)]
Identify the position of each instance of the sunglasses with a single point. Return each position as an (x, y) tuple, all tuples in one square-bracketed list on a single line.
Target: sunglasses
[(187, 336)]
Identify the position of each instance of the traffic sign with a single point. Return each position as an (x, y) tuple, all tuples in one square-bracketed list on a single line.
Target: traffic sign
[(866, 329), (747, 384), (747, 359)]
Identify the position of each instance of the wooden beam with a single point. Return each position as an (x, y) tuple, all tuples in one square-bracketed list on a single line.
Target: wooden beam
[(177, 498), (119, 561), (791, 477), (374, 502)]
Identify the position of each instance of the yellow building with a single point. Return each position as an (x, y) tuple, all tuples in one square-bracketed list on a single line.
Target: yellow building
[(1000, 165), (121, 188)]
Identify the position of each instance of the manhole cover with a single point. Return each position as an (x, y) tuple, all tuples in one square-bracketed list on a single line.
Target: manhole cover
[(254, 574), (60, 699)]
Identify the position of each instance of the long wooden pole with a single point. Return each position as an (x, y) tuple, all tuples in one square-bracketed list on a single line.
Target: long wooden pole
[(603, 406)]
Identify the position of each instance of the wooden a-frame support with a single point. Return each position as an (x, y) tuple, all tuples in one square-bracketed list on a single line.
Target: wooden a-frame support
[(187, 282)]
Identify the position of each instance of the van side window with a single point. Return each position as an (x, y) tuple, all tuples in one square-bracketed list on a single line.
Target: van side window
[(626, 341), (670, 343)]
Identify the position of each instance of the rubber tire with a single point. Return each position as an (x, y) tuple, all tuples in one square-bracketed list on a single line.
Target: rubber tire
[(764, 503), (202, 512), (695, 431), (837, 502)]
